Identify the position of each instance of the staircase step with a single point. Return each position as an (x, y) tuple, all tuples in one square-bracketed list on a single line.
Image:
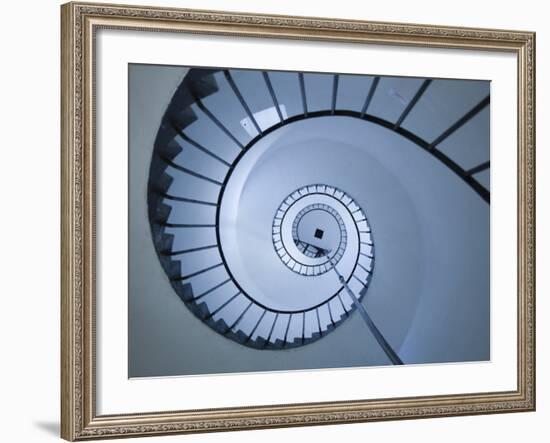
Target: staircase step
[(182, 118), (184, 290), (162, 183), (171, 149), (161, 213), (200, 309), (202, 82), (171, 266), (219, 325), (240, 336), (166, 242)]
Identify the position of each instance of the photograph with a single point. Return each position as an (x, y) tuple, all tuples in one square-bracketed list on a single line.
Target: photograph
[(287, 220)]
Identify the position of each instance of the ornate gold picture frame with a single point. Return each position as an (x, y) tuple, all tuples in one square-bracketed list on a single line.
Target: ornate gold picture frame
[(80, 24)]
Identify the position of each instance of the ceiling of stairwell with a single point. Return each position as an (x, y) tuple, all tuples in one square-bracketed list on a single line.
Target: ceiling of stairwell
[(429, 289)]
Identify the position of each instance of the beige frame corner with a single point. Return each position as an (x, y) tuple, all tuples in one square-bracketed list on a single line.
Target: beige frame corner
[(79, 420)]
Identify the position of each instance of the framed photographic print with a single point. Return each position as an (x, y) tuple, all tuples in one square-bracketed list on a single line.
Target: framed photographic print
[(280, 221)]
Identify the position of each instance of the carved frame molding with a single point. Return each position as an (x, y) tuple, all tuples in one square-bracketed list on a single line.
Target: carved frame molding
[(80, 21)]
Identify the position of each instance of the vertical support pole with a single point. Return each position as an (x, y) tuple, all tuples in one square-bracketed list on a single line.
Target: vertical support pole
[(386, 347)]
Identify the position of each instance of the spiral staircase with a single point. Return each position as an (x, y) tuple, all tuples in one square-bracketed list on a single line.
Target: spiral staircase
[(215, 119)]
